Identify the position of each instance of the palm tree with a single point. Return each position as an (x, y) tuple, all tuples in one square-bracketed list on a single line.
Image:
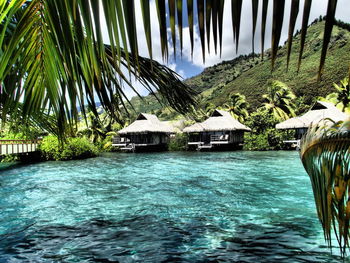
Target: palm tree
[(340, 98), (209, 108), (343, 93), (237, 107), (279, 101)]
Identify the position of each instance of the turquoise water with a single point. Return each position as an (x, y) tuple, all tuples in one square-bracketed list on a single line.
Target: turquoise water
[(162, 207)]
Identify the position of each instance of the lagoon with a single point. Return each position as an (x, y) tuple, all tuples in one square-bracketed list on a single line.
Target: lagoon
[(162, 207)]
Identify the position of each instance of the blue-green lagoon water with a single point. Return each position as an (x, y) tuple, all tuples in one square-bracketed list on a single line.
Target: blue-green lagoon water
[(162, 207)]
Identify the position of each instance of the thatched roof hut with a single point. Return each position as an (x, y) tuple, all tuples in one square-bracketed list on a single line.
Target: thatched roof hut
[(320, 112), (147, 123), (219, 121)]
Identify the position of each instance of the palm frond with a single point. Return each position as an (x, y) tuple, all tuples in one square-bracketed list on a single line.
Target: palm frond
[(332, 5), (326, 157), (56, 60)]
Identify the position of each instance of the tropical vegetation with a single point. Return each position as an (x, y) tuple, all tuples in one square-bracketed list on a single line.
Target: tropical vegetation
[(264, 136), (279, 101), (341, 97), (74, 148), (237, 106)]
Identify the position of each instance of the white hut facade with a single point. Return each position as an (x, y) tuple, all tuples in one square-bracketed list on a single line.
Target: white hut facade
[(146, 133), (319, 114), (220, 132)]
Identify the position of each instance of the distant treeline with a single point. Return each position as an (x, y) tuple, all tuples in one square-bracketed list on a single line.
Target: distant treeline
[(337, 22)]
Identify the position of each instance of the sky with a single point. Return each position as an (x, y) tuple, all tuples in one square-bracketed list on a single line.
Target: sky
[(187, 67)]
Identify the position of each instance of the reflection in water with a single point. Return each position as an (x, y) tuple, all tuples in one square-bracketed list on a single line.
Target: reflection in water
[(170, 207)]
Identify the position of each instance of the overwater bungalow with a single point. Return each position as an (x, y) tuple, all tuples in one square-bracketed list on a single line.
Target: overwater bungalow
[(146, 133), (220, 132), (320, 112)]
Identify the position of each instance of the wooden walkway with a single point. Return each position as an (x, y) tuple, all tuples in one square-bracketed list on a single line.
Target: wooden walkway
[(18, 146)]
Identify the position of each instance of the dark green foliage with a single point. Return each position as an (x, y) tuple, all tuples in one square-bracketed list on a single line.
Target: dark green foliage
[(73, 148), (50, 148), (179, 142), (16, 131), (9, 158)]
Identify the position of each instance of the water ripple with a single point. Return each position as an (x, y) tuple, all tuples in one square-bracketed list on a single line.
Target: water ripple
[(162, 207)]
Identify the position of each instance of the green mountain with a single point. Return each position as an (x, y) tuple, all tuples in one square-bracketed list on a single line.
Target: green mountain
[(249, 75)]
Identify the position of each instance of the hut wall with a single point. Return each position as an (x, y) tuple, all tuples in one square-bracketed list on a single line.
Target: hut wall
[(300, 132), (148, 138), (194, 137), (237, 137)]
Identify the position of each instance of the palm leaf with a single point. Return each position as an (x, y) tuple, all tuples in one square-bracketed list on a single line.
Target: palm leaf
[(332, 4), (236, 20), (179, 5), (130, 22), (215, 25), (294, 10), (147, 25), (221, 4), (208, 15), (162, 27), (326, 158), (263, 25), (255, 5), (172, 8), (200, 9), (278, 13), (190, 22), (306, 14)]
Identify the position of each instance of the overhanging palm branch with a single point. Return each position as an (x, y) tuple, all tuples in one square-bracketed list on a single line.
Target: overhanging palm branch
[(326, 157), (55, 60)]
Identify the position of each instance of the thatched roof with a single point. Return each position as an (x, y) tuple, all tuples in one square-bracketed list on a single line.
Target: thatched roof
[(320, 111), (147, 123), (219, 121)]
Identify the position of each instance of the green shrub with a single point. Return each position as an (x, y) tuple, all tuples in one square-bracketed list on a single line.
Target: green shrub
[(270, 139), (50, 148), (105, 145), (78, 148), (256, 142), (9, 158), (73, 148), (264, 136), (179, 142)]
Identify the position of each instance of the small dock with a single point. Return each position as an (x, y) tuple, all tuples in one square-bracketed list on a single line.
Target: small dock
[(18, 146)]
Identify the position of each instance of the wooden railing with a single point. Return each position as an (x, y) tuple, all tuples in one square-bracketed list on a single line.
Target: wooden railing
[(120, 140), (216, 138), (18, 146)]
